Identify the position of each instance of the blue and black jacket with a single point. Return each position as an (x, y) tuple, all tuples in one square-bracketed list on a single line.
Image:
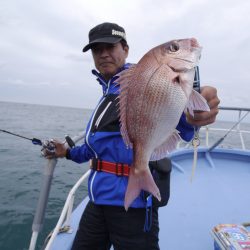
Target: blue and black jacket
[(104, 141)]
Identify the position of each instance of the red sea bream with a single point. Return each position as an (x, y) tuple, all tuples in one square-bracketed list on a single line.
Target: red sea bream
[(153, 95)]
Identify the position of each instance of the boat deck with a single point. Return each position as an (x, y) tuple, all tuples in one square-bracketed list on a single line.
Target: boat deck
[(218, 194)]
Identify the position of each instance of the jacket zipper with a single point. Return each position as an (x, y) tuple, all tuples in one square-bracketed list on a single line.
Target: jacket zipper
[(87, 142), (101, 116), (87, 136), (91, 186)]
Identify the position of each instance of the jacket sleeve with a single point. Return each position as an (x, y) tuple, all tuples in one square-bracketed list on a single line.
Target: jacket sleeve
[(186, 130), (80, 154)]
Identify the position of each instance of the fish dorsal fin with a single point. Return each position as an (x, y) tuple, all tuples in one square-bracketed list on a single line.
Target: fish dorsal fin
[(124, 80), (169, 145), (196, 102), (125, 75)]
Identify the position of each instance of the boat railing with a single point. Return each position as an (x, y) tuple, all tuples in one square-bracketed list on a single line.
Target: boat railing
[(65, 216), (207, 131)]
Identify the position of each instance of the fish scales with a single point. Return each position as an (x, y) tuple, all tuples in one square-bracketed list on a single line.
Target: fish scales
[(136, 97)]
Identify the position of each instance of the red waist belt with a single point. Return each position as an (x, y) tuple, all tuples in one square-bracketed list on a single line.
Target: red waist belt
[(110, 167)]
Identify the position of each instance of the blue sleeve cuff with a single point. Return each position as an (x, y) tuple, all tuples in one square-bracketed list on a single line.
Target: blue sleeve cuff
[(68, 156), (186, 130), (79, 154)]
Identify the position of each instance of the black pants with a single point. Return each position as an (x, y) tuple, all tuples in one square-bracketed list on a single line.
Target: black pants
[(103, 226)]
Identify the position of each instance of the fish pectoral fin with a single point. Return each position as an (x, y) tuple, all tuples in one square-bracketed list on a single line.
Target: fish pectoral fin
[(140, 180), (169, 145), (196, 102)]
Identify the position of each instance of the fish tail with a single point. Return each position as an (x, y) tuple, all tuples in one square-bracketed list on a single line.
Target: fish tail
[(140, 180)]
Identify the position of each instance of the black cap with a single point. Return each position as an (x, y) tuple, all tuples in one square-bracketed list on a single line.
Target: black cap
[(105, 33)]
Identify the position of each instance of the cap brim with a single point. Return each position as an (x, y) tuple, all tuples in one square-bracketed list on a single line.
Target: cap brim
[(111, 40)]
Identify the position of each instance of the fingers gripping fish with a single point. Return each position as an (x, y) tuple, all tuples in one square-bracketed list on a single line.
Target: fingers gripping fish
[(153, 95)]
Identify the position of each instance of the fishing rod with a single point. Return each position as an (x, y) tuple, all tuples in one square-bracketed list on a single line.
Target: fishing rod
[(35, 141), (229, 131), (39, 142)]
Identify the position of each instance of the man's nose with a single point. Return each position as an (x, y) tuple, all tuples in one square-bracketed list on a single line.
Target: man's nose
[(104, 52)]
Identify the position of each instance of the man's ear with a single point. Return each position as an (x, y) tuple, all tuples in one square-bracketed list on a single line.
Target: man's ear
[(126, 49)]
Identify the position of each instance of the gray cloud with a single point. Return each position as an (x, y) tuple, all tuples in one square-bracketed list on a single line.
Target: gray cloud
[(41, 44), (78, 58)]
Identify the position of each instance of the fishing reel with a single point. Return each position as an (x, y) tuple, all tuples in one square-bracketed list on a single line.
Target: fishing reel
[(49, 148), (48, 145)]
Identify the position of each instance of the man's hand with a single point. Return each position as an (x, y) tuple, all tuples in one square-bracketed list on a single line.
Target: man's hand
[(54, 149), (202, 118)]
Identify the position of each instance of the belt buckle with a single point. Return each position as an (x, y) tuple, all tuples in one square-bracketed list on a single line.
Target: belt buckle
[(122, 169), (116, 169), (94, 163), (121, 165)]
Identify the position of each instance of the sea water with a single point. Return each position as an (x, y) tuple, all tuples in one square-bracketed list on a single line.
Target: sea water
[(22, 167)]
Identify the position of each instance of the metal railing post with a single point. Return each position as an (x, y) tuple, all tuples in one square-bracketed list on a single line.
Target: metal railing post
[(42, 202), (240, 133)]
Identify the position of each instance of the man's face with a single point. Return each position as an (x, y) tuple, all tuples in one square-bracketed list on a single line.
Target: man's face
[(109, 58)]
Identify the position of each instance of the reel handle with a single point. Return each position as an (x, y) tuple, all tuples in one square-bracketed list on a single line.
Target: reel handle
[(69, 141)]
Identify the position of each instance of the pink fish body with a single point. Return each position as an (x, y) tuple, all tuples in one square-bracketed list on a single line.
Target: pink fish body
[(154, 93)]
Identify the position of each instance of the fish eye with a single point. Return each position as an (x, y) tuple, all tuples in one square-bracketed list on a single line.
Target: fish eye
[(174, 47)]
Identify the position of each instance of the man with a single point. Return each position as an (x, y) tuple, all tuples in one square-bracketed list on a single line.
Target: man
[(105, 221)]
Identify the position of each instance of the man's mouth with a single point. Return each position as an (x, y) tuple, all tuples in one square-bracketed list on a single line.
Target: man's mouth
[(105, 63)]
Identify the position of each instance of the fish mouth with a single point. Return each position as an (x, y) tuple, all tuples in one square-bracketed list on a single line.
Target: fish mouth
[(189, 64), (184, 60), (196, 47), (194, 43)]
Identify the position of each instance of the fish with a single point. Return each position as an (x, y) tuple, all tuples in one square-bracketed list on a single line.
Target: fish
[(153, 95)]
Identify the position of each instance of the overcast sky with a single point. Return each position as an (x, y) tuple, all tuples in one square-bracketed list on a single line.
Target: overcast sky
[(41, 59)]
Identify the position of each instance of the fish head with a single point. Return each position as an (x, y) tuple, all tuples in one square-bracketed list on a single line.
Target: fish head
[(181, 56)]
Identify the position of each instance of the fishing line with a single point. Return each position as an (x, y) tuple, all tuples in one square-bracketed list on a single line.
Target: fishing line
[(196, 139), (195, 143)]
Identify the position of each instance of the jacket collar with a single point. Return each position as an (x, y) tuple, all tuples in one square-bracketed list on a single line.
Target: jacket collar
[(103, 82)]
